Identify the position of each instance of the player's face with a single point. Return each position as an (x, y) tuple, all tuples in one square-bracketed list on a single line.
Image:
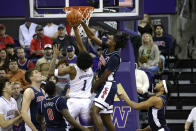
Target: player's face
[(37, 77), (110, 42), (8, 87), (159, 30), (158, 86), (13, 66)]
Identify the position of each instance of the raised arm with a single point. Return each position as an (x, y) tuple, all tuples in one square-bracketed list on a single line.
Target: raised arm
[(79, 40), (27, 97), (152, 101), (91, 35)]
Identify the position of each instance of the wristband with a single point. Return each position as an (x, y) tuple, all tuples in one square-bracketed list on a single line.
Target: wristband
[(56, 71)]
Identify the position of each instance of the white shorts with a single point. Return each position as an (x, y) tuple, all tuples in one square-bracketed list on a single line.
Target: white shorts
[(79, 107)]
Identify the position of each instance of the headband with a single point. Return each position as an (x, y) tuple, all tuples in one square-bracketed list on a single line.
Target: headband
[(165, 86)]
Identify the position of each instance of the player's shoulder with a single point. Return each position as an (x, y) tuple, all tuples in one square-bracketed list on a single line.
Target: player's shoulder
[(194, 109), (28, 91)]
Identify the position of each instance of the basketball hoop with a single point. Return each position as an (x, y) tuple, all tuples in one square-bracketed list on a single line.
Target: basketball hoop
[(86, 12)]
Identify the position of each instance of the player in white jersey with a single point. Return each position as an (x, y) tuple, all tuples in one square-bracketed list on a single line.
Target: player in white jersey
[(81, 77), (9, 114)]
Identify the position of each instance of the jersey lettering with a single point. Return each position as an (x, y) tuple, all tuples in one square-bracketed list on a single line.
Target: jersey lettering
[(105, 92)]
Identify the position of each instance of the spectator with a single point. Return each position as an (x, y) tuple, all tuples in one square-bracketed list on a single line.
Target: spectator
[(3, 59), (38, 42), (23, 63), (2, 72), (17, 95), (64, 40), (145, 25), (43, 63), (148, 54), (71, 57), (26, 32), (16, 74), (4, 38), (162, 41), (191, 119), (9, 114), (10, 51), (50, 29)]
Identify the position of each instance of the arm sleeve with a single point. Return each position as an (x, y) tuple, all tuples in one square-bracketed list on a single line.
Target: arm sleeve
[(21, 39), (113, 63), (61, 104), (191, 115)]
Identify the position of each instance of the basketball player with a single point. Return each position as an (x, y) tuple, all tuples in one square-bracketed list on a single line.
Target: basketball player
[(54, 110), (32, 96), (106, 85), (9, 114), (81, 77), (156, 106)]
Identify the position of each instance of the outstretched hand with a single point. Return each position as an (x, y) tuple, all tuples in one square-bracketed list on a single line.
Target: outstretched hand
[(56, 50)]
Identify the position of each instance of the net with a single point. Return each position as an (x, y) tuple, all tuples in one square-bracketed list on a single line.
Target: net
[(86, 12)]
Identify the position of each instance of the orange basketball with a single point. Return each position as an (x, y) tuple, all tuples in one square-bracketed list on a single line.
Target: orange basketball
[(74, 17)]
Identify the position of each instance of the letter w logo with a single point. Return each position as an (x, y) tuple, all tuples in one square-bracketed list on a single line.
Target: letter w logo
[(120, 116)]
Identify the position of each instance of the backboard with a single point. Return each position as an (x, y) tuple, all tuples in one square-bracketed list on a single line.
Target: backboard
[(104, 9)]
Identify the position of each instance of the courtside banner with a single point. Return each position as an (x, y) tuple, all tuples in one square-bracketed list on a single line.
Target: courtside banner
[(124, 117)]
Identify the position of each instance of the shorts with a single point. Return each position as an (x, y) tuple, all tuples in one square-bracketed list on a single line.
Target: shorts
[(105, 97), (79, 107)]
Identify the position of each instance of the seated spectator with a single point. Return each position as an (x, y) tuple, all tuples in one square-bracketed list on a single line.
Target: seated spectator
[(16, 74), (26, 32), (162, 41), (9, 114), (50, 29), (4, 59), (43, 63), (2, 72), (64, 40), (4, 38), (38, 42), (71, 57), (10, 51), (23, 63), (148, 54), (145, 25)]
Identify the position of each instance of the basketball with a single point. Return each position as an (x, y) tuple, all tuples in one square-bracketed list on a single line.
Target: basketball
[(74, 17)]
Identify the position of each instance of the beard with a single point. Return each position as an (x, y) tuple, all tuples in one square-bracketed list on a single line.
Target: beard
[(155, 90)]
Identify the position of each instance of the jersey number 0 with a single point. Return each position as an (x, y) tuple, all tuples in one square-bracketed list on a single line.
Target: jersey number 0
[(50, 114)]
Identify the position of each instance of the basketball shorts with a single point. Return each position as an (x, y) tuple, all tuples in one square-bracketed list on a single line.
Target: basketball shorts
[(80, 108), (105, 97)]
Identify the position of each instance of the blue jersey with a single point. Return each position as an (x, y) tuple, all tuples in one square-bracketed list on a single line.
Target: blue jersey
[(50, 108), (156, 117), (109, 61), (38, 96)]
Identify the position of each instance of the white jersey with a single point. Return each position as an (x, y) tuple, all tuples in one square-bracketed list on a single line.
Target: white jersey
[(192, 118), (8, 109), (80, 86)]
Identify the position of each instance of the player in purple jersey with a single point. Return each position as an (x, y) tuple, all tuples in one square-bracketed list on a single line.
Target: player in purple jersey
[(156, 106), (106, 85), (54, 110)]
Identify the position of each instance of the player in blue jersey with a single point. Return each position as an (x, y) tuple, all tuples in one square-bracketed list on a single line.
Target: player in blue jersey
[(54, 110), (156, 106), (106, 85), (32, 96)]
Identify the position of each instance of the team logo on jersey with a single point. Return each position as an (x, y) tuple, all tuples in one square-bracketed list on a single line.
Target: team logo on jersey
[(39, 98), (104, 92)]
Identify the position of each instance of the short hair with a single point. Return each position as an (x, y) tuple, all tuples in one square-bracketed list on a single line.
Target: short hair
[(62, 61), (16, 83), (28, 74), (12, 60), (84, 60), (3, 81), (121, 38), (50, 88), (3, 68), (18, 48)]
